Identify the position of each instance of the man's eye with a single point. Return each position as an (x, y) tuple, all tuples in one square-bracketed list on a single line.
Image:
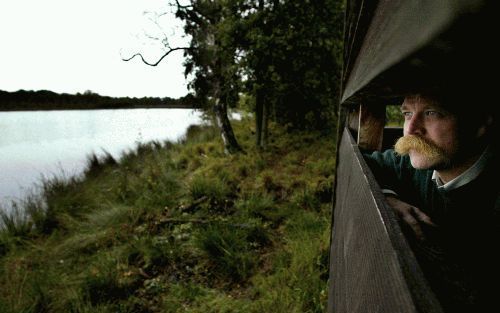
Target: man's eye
[(407, 114), (432, 113)]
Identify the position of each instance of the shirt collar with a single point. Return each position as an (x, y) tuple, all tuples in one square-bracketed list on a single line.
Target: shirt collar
[(466, 177)]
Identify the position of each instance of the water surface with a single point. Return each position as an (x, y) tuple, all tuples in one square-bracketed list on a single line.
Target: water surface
[(47, 143)]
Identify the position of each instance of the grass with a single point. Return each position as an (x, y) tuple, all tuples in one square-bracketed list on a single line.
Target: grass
[(177, 227)]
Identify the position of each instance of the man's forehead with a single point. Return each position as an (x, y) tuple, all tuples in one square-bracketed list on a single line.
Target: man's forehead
[(421, 101)]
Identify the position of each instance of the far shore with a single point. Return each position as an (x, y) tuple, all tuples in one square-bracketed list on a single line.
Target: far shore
[(44, 100), (13, 109)]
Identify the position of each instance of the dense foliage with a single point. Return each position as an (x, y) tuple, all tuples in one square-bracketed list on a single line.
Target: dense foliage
[(289, 52), (293, 58)]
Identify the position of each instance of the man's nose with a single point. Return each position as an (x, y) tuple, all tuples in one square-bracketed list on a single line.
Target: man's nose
[(414, 125)]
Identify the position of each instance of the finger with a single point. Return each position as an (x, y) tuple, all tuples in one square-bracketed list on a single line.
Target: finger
[(422, 217), (414, 224)]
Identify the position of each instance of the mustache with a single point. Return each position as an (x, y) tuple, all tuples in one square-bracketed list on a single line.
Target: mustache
[(412, 142)]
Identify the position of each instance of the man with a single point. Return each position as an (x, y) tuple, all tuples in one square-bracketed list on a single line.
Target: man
[(441, 181)]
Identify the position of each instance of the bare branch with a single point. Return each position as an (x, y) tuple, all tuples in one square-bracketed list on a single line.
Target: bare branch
[(159, 60), (156, 22), (145, 34), (155, 13), (192, 11), (180, 6)]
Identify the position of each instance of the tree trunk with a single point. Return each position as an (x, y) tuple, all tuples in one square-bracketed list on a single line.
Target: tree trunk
[(259, 112), (259, 103), (226, 130), (265, 128), (231, 145), (261, 120)]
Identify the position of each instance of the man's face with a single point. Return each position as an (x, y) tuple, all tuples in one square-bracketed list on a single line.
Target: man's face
[(427, 120)]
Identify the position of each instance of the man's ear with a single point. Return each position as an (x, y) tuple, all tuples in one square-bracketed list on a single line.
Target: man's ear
[(485, 127)]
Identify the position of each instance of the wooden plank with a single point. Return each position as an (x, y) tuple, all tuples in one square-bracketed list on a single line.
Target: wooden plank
[(357, 19), (372, 268), (371, 126), (415, 40)]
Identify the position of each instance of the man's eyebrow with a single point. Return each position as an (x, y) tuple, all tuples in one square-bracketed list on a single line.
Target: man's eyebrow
[(432, 106), (428, 106)]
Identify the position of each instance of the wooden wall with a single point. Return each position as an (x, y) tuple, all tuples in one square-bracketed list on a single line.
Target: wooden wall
[(372, 268), (393, 48)]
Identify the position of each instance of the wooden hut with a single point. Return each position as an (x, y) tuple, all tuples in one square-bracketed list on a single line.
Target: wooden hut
[(394, 47)]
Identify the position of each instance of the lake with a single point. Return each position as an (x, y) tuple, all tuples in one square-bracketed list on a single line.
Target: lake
[(36, 144)]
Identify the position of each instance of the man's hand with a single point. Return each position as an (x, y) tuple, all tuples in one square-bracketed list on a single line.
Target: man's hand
[(410, 215)]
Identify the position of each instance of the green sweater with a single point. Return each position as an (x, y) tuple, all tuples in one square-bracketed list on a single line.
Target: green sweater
[(459, 257)]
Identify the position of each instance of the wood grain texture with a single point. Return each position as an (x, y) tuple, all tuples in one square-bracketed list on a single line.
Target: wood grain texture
[(372, 268), (395, 47)]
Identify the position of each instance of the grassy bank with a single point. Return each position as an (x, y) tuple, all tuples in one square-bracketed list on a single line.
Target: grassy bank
[(178, 228)]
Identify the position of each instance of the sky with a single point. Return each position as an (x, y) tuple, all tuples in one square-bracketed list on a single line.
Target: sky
[(71, 46)]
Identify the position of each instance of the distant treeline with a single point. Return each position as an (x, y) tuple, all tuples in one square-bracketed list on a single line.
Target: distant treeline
[(48, 100)]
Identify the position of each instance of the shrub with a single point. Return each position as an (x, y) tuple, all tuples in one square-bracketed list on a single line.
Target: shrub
[(15, 223), (262, 206), (104, 281), (230, 250), (216, 190)]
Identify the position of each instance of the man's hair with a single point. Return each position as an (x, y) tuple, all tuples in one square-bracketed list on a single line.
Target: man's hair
[(472, 110)]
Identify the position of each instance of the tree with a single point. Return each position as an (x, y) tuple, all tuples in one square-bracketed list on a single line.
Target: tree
[(293, 59), (286, 54), (210, 58), (209, 23)]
